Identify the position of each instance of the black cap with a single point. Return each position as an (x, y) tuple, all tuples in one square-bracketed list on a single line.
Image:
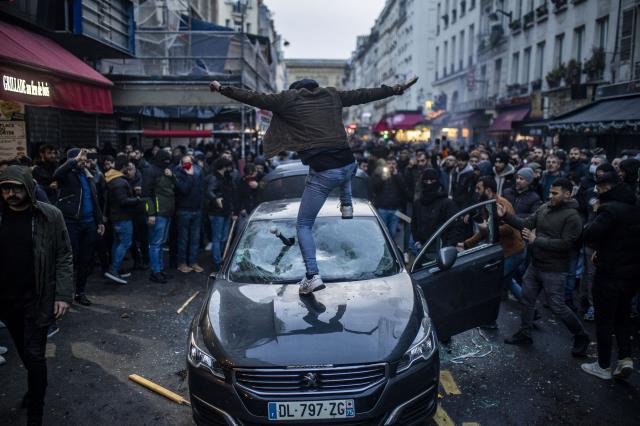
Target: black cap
[(305, 83)]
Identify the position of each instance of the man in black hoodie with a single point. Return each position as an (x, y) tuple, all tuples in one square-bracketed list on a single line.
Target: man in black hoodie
[(614, 234), (220, 206), (36, 277)]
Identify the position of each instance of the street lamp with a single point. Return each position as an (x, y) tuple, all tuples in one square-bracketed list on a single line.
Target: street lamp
[(493, 16)]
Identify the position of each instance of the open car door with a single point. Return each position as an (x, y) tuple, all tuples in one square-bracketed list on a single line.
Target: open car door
[(462, 286)]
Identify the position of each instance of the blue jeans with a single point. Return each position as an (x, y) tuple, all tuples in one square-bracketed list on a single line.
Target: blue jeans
[(188, 236), (570, 284), (511, 263), (390, 219), (219, 233), (158, 235), (122, 235), (318, 186)]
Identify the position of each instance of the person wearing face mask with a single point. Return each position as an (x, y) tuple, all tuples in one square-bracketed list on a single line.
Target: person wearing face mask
[(221, 205), (614, 234), (432, 209), (158, 187), (189, 202)]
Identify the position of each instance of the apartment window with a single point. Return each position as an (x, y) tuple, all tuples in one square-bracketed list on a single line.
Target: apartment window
[(471, 43), (445, 53), (227, 23), (515, 66), (453, 53), (602, 32), (249, 27), (461, 53), (539, 60), (626, 35), (557, 53), (483, 80), (578, 43), (437, 60), (497, 75), (472, 4), (519, 9), (526, 65), (529, 6), (438, 19), (454, 12)]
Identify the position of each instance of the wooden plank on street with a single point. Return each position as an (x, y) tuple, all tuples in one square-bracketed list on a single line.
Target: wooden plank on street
[(442, 418), (158, 389), (449, 385)]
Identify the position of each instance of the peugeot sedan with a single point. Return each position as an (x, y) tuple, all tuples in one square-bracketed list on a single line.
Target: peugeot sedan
[(362, 351)]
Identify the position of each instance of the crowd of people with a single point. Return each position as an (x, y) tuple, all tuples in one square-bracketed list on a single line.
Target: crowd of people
[(568, 222)]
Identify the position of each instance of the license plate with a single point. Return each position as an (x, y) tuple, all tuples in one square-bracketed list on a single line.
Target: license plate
[(334, 409)]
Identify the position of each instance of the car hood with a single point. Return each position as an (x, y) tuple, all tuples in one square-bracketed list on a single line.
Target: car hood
[(266, 325)]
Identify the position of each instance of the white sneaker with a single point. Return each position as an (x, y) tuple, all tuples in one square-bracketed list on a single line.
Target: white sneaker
[(308, 286), (3, 350), (2, 360), (623, 369), (346, 211), (595, 370)]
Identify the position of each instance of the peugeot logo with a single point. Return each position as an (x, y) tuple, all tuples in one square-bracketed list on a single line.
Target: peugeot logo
[(310, 381)]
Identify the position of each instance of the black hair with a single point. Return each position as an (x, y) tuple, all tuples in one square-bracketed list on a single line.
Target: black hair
[(46, 147), (222, 163), (488, 182), (462, 155), (563, 183), (249, 168)]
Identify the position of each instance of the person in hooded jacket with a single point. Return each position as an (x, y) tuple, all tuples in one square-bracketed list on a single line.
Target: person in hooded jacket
[(158, 188), (36, 272), (123, 205), (463, 181), (628, 173), (432, 209), (189, 203), (221, 206), (522, 197), (614, 234), (503, 173)]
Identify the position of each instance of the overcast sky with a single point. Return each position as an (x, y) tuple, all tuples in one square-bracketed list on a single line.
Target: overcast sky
[(323, 28)]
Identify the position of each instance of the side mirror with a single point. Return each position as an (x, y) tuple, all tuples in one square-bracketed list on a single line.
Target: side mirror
[(446, 258)]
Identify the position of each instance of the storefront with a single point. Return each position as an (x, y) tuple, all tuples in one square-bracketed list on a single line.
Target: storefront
[(403, 126), (503, 129), (47, 95)]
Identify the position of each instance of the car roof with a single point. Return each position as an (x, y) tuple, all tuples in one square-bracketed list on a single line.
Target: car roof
[(296, 168), (288, 209)]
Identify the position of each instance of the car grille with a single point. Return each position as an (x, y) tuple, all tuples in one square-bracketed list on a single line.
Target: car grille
[(284, 381)]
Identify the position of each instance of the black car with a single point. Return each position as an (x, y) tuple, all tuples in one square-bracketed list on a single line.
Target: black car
[(362, 351)]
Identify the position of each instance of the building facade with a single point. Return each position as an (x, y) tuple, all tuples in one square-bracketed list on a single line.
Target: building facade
[(327, 72)]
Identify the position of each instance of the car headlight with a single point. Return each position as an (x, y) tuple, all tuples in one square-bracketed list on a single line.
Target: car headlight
[(422, 350), (200, 358)]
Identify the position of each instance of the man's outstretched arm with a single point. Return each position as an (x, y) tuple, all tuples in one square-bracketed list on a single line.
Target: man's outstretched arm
[(363, 96), (272, 102)]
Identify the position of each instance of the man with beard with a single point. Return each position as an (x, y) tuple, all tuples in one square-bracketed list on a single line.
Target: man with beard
[(463, 181), (158, 187), (551, 173), (521, 196), (36, 272), (79, 204), (575, 166), (44, 169), (552, 231), (503, 173), (431, 210), (614, 234)]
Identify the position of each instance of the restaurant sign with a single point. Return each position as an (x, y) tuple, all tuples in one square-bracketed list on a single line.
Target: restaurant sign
[(24, 87)]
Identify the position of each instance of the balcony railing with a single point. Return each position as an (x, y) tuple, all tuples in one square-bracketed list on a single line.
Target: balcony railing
[(527, 20), (474, 104)]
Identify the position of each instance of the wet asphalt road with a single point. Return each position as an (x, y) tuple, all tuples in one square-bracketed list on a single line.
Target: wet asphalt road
[(135, 329)]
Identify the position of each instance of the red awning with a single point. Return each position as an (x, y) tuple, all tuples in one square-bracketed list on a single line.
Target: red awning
[(406, 121), (381, 126), (153, 133), (40, 61), (502, 122)]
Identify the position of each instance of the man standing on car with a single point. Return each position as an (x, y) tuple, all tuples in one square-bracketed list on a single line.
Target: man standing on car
[(552, 232), (308, 119), (36, 272)]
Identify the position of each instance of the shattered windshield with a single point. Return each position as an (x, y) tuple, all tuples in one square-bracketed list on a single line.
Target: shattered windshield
[(346, 250)]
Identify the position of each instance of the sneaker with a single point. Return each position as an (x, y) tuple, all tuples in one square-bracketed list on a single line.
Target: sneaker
[(308, 286), (82, 299), (2, 325), (197, 268), (595, 370), (184, 268), (157, 277), (166, 276), (3, 350), (580, 345), (117, 278), (208, 247), (347, 211), (590, 314), (125, 274), (52, 331), (520, 338), (623, 369), (2, 360)]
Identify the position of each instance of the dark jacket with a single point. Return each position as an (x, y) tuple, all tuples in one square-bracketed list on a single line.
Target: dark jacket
[(557, 229), (122, 204), (53, 260), (219, 186), (615, 234), (43, 172), (389, 193), (546, 180), (524, 203), (463, 187), (430, 212), (505, 179), (586, 197), (189, 189), (70, 192), (304, 119), (247, 196), (159, 190)]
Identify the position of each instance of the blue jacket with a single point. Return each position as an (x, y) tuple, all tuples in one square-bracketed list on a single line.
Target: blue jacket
[(189, 189)]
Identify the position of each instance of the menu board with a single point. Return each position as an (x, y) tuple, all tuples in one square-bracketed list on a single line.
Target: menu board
[(13, 137)]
